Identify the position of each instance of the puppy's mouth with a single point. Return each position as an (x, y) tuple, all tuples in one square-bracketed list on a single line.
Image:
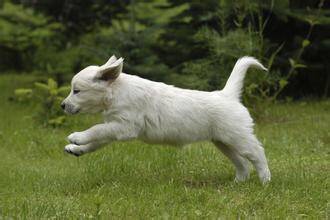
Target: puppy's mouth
[(72, 111)]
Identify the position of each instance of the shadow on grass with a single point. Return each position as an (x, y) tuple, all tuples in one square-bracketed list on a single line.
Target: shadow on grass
[(208, 181), (134, 181)]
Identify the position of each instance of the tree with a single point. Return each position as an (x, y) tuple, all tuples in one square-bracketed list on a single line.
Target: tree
[(23, 31)]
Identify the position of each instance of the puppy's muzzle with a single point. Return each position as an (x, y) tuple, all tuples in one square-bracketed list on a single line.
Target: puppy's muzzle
[(63, 105), (69, 109)]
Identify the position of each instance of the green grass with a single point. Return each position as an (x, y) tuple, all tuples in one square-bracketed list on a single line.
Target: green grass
[(134, 180)]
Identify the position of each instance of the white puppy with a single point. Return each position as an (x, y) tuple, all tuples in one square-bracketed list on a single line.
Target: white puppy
[(158, 113)]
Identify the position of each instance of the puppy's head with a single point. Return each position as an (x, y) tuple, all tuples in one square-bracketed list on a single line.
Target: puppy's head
[(90, 88)]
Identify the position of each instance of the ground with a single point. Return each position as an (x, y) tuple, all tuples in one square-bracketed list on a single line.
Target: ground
[(135, 180)]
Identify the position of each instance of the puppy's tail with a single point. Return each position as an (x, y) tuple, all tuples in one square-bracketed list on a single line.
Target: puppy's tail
[(234, 85)]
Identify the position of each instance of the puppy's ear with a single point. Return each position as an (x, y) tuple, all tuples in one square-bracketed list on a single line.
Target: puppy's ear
[(110, 72), (112, 59)]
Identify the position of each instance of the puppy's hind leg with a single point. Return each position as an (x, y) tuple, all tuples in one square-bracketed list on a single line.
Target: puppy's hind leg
[(249, 147), (241, 164)]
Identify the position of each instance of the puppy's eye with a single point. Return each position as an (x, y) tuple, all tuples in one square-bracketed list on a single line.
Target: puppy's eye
[(76, 91)]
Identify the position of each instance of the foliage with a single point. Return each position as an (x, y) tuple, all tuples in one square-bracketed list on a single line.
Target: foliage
[(23, 32), (78, 18), (191, 44), (48, 96), (277, 86), (134, 36), (229, 31)]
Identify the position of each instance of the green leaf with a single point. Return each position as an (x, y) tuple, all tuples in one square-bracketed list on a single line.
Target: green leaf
[(299, 65), (305, 43), (292, 62), (23, 94), (52, 84), (53, 92), (20, 92), (58, 100), (42, 86), (283, 83), (64, 90), (57, 121)]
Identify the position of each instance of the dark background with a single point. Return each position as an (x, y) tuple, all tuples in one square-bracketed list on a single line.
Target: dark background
[(192, 44)]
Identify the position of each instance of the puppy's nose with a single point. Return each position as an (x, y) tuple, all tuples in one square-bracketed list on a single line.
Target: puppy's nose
[(63, 105)]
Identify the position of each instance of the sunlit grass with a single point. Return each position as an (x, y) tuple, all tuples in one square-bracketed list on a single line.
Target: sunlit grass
[(135, 180)]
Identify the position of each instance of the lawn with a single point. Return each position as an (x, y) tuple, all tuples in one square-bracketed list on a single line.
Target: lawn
[(137, 181)]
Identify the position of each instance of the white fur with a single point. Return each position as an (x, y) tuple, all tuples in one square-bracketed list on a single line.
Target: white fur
[(154, 112)]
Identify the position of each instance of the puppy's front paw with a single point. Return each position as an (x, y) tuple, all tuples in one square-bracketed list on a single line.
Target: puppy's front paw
[(78, 138), (74, 150)]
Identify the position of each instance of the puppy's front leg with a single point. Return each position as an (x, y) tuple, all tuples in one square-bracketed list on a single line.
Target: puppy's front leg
[(80, 138), (103, 133), (79, 150)]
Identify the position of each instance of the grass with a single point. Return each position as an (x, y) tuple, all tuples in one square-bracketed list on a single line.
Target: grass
[(138, 181)]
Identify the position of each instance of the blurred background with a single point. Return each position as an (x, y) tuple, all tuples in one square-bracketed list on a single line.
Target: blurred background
[(191, 44)]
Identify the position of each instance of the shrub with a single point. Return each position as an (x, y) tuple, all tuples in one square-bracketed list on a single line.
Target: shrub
[(23, 32), (48, 97)]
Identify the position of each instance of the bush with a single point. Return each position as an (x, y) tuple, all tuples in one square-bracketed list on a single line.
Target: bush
[(48, 97), (23, 33)]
